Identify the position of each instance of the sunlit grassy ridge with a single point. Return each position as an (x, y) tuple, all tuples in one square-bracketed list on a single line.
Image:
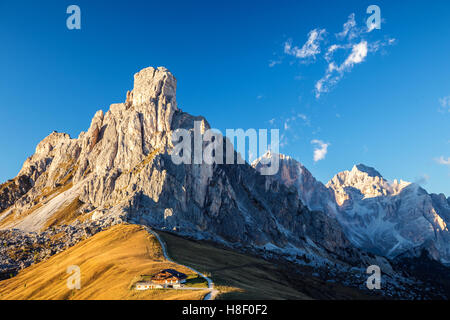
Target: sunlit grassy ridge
[(110, 262)]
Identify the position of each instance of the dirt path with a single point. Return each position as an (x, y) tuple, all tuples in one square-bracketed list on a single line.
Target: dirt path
[(213, 292)]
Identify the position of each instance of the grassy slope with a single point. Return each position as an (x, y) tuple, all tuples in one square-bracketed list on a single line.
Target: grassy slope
[(110, 262), (239, 276)]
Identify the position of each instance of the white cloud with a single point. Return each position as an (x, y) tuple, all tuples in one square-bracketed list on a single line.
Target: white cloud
[(311, 47), (331, 49), (443, 161), (273, 63), (352, 41), (359, 52), (376, 45), (321, 150), (334, 73), (302, 116), (294, 118), (445, 104), (349, 28), (289, 125), (372, 27)]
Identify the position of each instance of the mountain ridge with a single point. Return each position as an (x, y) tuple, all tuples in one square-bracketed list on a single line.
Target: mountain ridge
[(371, 209)]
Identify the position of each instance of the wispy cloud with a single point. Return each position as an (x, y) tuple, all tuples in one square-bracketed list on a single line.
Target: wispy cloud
[(330, 51), (310, 48), (349, 28), (273, 63), (445, 104), (443, 161), (294, 118), (288, 125), (358, 54), (335, 72), (303, 117), (352, 43), (321, 150)]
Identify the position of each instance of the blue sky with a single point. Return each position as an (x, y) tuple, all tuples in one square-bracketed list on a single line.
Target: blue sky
[(242, 64)]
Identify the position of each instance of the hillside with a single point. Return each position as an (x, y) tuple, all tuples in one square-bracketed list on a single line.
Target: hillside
[(242, 277), (110, 262)]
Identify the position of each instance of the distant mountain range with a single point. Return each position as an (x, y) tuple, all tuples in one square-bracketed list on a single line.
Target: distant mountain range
[(389, 219), (120, 170)]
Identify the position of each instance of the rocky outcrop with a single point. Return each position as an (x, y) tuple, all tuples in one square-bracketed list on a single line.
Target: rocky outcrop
[(19, 250), (13, 190)]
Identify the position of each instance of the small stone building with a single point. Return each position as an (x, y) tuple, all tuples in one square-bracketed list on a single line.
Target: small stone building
[(167, 278)]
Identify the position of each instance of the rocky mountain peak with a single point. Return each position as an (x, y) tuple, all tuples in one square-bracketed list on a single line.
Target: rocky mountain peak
[(152, 84), (47, 145), (294, 174), (371, 172), (361, 182), (290, 169)]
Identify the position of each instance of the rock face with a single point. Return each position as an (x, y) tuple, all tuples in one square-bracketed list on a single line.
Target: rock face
[(391, 218), (293, 174), (121, 169), (388, 219), (12, 190)]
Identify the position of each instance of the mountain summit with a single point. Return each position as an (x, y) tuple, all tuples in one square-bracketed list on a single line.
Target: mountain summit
[(369, 170)]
